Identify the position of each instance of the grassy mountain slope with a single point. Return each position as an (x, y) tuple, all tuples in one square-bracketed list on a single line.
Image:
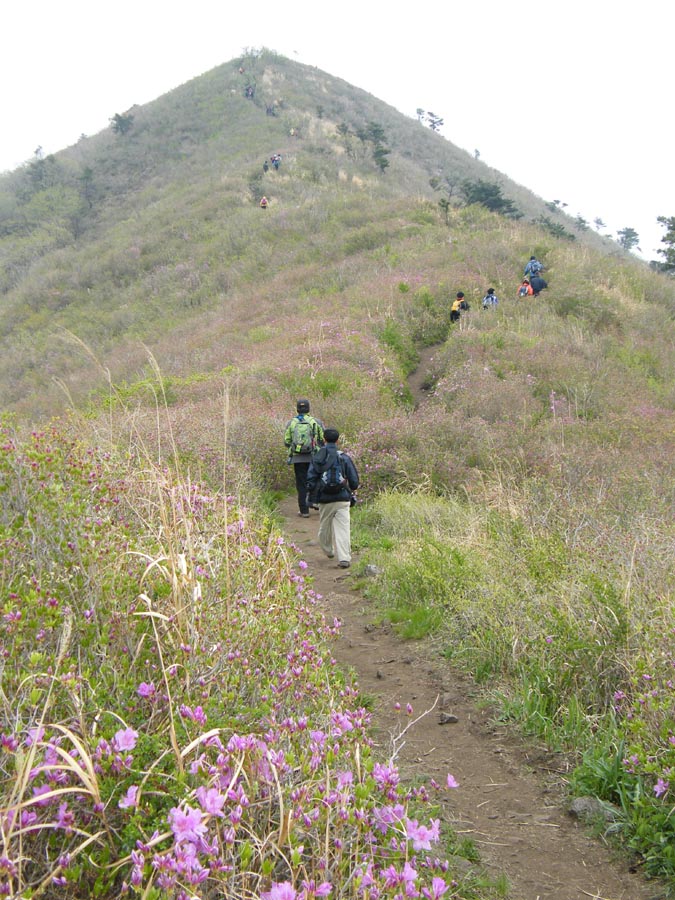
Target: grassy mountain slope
[(522, 514), (135, 237)]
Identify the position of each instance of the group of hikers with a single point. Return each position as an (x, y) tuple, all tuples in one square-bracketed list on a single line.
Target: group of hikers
[(531, 286), (325, 477), (275, 159), (325, 480)]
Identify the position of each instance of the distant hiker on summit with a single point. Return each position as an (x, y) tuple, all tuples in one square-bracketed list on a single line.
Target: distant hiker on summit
[(303, 437), (533, 267), (332, 479)]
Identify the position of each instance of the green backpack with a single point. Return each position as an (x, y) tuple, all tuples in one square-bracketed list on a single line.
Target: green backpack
[(303, 436)]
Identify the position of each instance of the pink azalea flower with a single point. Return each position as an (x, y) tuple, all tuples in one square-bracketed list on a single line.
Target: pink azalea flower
[(211, 800), (438, 888), (186, 824), (125, 739), (280, 891), (452, 782), (145, 689), (420, 835), (39, 791), (129, 801), (661, 787)]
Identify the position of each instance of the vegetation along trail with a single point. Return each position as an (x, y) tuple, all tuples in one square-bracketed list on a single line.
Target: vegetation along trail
[(510, 800)]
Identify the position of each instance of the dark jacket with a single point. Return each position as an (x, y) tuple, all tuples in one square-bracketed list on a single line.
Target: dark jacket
[(320, 463), (537, 284)]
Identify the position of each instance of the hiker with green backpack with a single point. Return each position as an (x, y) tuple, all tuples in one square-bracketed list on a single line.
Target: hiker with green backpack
[(303, 437)]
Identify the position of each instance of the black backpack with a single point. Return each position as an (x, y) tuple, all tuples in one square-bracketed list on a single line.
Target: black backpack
[(333, 480)]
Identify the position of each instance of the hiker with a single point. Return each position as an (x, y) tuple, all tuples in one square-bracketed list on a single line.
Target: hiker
[(276, 161), (538, 284), (525, 289), (264, 203), (332, 480), (266, 167), (490, 299), (458, 304), (303, 437), (533, 267)]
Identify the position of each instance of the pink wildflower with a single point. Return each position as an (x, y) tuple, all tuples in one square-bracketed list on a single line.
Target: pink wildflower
[(661, 787), (186, 824), (65, 818), (280, 891), (125, 739), (452, 781), (129, 801), (438, 888), (146, 689), (211, 800), (420, 835)]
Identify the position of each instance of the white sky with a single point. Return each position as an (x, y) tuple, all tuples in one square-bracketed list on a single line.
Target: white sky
[(572, 99)]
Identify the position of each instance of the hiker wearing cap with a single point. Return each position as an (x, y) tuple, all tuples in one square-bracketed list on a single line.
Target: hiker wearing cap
[(303, 437), (525, 289)]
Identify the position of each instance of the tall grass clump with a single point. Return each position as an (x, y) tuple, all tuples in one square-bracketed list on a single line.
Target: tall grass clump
[(575, 647), (173, 722)]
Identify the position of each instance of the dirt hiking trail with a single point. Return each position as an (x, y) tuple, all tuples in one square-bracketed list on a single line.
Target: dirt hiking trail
[(510, 799)]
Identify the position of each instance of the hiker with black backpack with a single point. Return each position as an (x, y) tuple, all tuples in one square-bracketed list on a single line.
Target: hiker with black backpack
[(537, 284), (332, 480), (303, 437)]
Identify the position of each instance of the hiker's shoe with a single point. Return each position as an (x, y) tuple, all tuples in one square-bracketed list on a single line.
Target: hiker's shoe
[(343, 564), (330, 555), (314, 506), (304, 515)]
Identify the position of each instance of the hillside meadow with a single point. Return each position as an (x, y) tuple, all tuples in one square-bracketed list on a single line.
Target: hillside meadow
[(175, 725)]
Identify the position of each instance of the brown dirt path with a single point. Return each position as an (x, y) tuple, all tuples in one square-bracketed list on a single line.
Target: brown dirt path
[(511, 800)]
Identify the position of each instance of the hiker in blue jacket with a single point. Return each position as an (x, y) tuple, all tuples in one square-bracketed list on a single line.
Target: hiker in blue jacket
[(332, 480), (533, 267)]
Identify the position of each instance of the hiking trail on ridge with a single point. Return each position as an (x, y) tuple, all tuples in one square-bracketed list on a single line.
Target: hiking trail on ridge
[(510, 801)]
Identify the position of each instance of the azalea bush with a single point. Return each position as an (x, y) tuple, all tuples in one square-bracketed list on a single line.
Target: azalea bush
[(173, 721)]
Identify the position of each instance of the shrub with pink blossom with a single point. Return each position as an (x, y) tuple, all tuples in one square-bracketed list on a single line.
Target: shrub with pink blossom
[(173, 721)]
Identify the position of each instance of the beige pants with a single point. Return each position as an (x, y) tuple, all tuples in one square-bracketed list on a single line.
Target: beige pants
[(334, 530)]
